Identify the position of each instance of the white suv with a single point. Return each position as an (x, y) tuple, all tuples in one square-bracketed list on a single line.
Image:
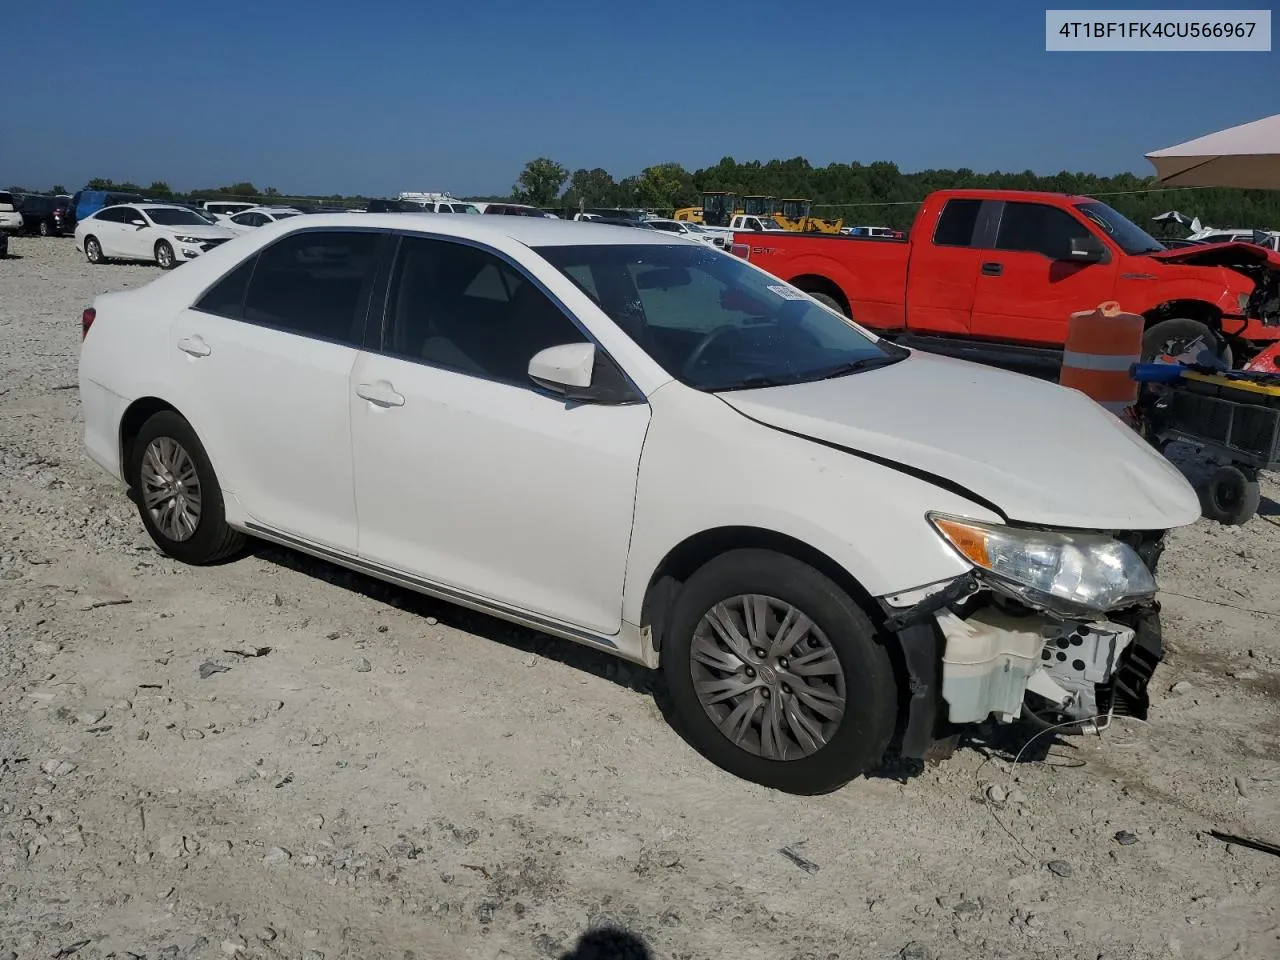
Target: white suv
[(10, 220), (824, 541)]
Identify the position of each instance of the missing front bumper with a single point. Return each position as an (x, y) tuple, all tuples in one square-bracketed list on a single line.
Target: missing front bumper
[(968, 659)]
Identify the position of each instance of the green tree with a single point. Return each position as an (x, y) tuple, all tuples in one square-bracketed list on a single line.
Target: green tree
[(99, 183), (593, 188), (539, 182), (666, 186), (159, 188), (271, 192), (58, 188)]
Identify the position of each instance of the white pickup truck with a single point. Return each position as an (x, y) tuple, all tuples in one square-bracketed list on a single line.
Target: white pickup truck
[(10, 220), (743, 222)]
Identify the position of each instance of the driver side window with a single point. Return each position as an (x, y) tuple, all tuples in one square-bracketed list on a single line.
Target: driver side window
[(464, 309)]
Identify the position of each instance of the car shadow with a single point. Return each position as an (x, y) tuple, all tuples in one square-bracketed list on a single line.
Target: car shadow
[(575, 655), (608, 943), (10, 256), (578, 656), (1268, 508)]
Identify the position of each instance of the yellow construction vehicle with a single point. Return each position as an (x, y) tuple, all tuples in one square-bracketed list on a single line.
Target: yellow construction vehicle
[(718, 208), (795, 217), (757, 206)]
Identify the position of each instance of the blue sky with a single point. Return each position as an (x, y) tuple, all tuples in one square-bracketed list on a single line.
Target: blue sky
[(379, 96)]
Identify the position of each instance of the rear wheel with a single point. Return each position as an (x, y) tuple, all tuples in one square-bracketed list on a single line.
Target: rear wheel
[(830, 302), (93, 250), (164, 255), (177, 492), (776, 675), (44, 228)]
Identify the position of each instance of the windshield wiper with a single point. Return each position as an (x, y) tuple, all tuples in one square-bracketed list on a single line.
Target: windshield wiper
[(853, 366)]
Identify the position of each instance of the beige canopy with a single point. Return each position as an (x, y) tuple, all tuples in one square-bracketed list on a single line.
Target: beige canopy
[(1243, 156)]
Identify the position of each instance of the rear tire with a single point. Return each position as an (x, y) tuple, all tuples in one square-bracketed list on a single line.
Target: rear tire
[(830, 302), (93, 250), (44, 228), (836, 663), (177, 492), (1231, 496), (1175, 335), (165, 259)]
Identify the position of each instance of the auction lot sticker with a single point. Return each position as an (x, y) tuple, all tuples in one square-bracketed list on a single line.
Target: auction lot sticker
[(1117, 31)]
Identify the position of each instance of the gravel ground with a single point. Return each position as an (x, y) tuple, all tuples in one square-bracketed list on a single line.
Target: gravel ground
[(276, 758)]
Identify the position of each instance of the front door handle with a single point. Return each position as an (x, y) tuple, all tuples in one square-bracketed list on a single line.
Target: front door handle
[(380, 393), (990, 269), (194, 346)]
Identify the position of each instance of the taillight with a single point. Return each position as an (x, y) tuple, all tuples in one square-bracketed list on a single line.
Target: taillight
[(86, 321), (742, 250)]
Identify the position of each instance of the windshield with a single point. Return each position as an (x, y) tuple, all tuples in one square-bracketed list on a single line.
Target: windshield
[(1130, 237), (464, 208), (283, 214), (177, 217), (713, 321)]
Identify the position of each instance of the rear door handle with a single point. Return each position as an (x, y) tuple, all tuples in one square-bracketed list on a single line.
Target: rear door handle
[(990, 269), (380, 393), (194, 346)]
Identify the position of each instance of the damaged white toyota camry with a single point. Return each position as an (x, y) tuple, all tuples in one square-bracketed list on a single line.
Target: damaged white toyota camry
[(826, 543)]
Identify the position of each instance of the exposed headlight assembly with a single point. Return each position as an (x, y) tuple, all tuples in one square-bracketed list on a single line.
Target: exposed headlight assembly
[(1066, 572), (188, 239)]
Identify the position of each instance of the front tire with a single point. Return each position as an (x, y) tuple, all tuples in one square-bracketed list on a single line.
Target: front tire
[(93, 250), (164, 255), (1175, 335), (177, 492), (776, 675)]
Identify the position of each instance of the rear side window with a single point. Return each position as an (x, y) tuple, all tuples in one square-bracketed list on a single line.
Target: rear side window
[(6, 198), (226, 297), (316, 284), (1038, 228), (955, 226)]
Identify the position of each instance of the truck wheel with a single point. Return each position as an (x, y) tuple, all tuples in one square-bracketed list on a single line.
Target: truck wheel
[(830, 302), (1175, 335), (1231, 496), (776, 675)]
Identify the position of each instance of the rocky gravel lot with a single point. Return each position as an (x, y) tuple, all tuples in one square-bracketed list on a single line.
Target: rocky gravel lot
[(276, 758)]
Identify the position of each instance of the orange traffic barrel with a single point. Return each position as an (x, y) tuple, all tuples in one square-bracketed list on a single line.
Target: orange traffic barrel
[(1101, 346)]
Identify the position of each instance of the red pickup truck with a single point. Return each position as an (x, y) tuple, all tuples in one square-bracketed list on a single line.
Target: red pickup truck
[(994, 275)]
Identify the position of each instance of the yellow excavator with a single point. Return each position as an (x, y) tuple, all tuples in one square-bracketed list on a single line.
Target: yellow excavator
[(718, 208), (795, 216)]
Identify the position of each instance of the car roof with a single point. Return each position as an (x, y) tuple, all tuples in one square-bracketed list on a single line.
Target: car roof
[(531, 231), (270, 210)]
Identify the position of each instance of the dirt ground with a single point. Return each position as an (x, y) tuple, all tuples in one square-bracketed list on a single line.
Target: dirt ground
[(393, 777)]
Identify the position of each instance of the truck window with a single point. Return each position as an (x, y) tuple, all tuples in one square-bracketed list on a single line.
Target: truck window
[(1037, 228), (955, 225)]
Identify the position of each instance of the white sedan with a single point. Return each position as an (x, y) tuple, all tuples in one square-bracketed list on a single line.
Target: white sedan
[(824, 541), (249, 220), (690, 231), (160, 232)]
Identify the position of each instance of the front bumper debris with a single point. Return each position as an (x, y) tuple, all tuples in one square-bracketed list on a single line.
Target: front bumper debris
[(970, 653)]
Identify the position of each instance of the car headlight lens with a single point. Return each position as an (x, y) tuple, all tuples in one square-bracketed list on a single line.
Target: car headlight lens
[(187, 239), (1082, 570)]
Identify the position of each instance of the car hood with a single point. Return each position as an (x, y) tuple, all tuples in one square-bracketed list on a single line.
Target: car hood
[(1234, 254), (1041, 453)]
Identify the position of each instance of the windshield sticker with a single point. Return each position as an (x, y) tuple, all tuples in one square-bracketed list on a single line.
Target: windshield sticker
[(787, 293)]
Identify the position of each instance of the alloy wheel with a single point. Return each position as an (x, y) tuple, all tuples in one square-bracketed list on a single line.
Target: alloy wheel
[(768, 677), (170, 488)]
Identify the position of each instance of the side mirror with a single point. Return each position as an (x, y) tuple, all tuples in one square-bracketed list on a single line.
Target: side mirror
[(566, 368), (139, 223), (577, 371), (1087, 250)]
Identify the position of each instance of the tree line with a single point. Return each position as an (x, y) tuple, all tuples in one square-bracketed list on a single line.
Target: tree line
[(879, 194), (875, 194)]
